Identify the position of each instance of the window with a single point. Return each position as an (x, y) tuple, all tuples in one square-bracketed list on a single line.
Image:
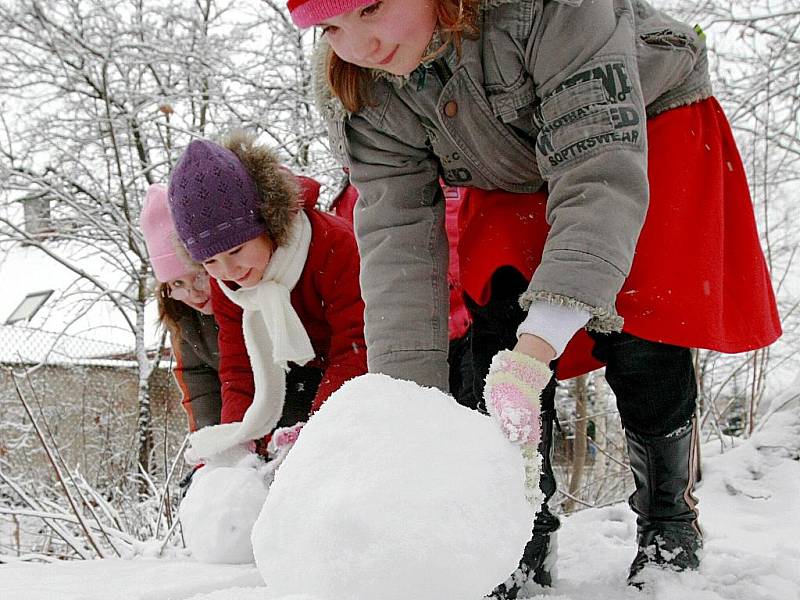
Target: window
[(29, 306)]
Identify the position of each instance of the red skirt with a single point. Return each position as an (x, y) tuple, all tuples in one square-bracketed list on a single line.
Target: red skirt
[(698, 278)]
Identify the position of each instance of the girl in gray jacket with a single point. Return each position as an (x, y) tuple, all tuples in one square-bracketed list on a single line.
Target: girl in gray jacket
[(646, 245), (184, 306)]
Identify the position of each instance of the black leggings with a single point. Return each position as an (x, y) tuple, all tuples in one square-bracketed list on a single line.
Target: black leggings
[(461, 372), (654, 383), (302, 384)]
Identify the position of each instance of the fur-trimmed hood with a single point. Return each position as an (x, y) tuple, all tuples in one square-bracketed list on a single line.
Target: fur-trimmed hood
[(278, 188)]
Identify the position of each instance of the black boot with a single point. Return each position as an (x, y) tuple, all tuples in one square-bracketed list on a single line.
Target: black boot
[(664, 469), (539, 556)]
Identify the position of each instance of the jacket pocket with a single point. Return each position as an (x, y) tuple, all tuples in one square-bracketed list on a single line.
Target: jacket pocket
[(580, 121), (509, 106), (504, 158)]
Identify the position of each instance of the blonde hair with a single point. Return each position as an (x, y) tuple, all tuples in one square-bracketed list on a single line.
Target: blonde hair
[(351, 84)]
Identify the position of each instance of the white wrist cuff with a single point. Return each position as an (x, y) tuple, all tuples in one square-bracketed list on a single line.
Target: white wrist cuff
[(554, 323)]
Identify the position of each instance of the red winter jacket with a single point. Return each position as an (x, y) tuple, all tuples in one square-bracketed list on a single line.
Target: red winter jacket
[(327, 298), (460, 320)]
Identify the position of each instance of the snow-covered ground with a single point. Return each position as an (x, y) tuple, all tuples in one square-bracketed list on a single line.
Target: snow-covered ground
[(750, 511)]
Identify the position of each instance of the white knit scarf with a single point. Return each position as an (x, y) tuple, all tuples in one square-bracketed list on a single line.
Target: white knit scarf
[(273, 336)]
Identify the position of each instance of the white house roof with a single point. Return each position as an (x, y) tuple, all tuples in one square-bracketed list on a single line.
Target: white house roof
[(73, 324)]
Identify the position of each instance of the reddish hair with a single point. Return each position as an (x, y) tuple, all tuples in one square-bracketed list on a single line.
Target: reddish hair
[(351, 84), (170, 311)]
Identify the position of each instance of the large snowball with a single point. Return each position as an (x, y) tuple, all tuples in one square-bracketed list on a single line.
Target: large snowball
[(219, 510), (394, 491)]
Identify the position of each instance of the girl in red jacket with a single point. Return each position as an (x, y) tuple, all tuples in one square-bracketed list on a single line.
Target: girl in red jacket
[(285, 286)]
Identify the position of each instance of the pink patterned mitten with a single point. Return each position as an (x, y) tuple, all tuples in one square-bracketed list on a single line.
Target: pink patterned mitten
[(284, 438), (513, 386)]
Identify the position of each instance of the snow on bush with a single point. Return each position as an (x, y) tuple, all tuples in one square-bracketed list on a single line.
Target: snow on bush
[(394, 491)]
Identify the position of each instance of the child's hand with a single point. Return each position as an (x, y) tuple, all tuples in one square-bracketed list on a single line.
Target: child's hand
[(278, 447), (513, 386), (284, 438), (534, 346)]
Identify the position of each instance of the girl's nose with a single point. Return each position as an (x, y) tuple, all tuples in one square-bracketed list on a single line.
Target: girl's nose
[(198, 296), (226, 267), (365, 48)]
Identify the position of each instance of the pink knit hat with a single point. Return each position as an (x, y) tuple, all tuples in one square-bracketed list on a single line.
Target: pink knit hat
[(159, 236), (306, 13)]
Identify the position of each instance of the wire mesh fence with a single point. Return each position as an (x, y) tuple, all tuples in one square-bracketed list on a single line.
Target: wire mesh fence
[(83, 393)]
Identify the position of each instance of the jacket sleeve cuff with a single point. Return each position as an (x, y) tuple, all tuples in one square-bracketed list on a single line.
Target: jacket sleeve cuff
[(425, 367), (554, 323)]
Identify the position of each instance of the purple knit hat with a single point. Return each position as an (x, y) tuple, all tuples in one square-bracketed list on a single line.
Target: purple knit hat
[(214, 202)]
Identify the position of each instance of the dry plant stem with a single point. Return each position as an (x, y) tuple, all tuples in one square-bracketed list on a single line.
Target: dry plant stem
[(776, 409), (611, 457), (165, 500), (67, 537), (102, 528), (164, 496), (712, 410), (148, 480), (17, 537), (587, 486), (68, 471), (760, 358), (90, 538), (589, 505), (723, 385), (600, 465), (573, 500), (45, 516), (175, 524), (108, 510), (579, 445), (109, 533)]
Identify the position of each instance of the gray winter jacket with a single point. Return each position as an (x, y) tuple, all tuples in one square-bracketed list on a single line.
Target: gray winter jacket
[(554, 92), (196, 369)]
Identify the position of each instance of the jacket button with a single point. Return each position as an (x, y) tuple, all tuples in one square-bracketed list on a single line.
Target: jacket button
[(451, 108)]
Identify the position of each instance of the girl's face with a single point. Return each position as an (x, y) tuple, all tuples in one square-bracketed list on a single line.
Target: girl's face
[(193, 290), (390, 35), (244, 264)]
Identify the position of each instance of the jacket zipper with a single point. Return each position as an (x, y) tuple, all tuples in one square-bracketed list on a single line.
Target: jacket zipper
[(442, 69)]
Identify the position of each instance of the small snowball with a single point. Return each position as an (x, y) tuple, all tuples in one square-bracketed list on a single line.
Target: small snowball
[(394, 491), (219, 510)]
